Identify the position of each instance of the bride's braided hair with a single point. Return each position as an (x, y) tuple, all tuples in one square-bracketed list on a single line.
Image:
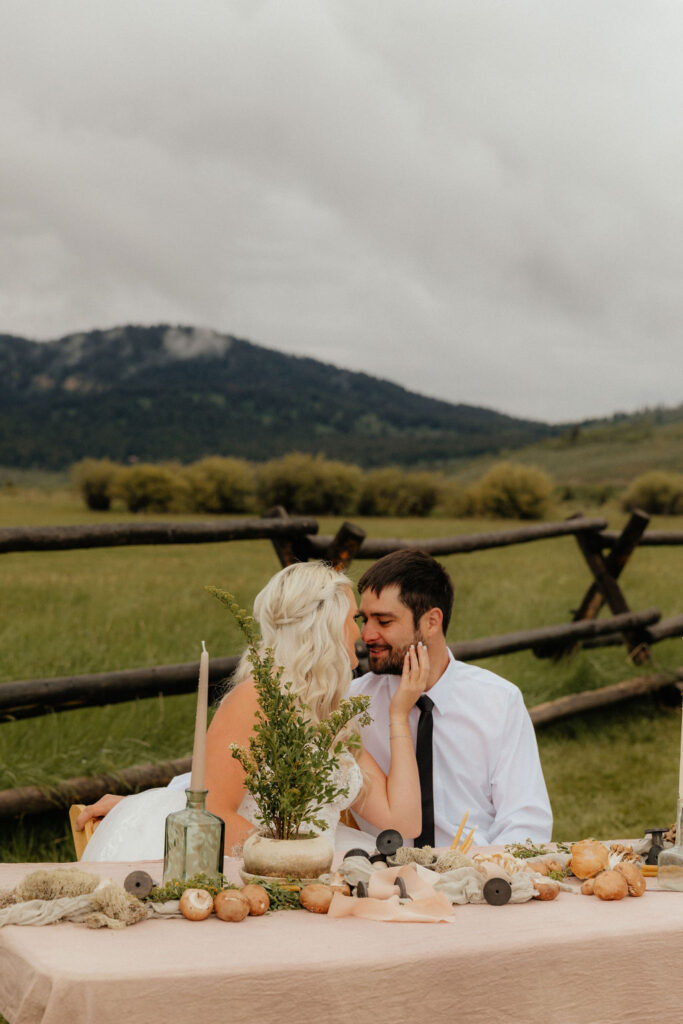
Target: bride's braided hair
[(301, 612)]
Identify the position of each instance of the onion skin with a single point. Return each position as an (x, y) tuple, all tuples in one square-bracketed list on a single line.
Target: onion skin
[(231, 905), (588, 887), (316, 897), (196, 904), (610, 885), (588, 858)]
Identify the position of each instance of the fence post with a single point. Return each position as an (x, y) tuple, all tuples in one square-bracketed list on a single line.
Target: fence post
[(288, 549), (605, 587), (345, 546)]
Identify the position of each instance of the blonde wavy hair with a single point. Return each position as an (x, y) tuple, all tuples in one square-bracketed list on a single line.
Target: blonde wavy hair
[(302, 612)]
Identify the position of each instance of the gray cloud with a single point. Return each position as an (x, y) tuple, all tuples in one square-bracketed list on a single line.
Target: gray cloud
[(479, 200)]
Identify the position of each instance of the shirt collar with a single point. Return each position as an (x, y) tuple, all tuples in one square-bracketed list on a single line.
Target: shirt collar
[(442, 691)]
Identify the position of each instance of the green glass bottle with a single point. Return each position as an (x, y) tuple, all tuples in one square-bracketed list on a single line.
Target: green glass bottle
[(195, 840)]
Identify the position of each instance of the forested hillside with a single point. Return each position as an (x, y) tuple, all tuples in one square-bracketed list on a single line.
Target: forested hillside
[(156, 393)]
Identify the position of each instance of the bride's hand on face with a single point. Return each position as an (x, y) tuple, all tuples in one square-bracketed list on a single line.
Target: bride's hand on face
[(393, 800), (414, 679)]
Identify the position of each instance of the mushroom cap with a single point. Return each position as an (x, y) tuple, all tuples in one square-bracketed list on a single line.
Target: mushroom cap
[(196, 904), (634, 878), (231, 905), (610, 885), (588, 858), (257, 898), (316, 897), (546, 890)]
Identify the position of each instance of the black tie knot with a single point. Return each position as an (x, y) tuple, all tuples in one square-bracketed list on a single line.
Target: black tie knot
[(424, 703)]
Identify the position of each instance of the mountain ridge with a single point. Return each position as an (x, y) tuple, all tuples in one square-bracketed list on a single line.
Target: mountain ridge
[(166, 392)]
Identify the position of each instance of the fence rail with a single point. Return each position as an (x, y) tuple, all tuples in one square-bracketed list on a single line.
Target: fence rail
[(27, 800), (659, 538), (296, 538), (35, 697), (376, 547), (110, 535), (31, 698)]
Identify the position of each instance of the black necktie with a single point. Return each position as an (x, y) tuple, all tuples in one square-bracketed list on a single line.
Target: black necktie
[(423, 755)]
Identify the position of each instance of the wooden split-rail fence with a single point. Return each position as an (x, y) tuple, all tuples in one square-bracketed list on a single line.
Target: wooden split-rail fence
[(296, 538)]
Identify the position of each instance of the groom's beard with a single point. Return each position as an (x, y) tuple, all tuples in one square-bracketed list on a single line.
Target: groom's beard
[(388, 661)]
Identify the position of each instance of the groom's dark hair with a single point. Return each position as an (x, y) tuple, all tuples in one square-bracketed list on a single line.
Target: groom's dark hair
[(423, 583)]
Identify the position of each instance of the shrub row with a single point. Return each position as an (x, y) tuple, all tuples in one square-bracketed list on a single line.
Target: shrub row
[(656, 492), (309, 485), (313, 485)]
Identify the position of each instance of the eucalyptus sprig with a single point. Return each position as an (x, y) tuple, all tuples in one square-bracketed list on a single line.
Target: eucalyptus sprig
[(289, 761)]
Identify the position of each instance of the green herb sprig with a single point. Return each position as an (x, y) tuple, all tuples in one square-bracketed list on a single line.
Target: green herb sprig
[(282, 895), (529, 849), (174, 889), (559, 876), (526, 849)]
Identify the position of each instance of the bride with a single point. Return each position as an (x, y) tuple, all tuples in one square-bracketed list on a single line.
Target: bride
[(307, 615)]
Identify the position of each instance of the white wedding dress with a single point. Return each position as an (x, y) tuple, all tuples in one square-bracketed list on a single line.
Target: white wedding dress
[(135, 828)]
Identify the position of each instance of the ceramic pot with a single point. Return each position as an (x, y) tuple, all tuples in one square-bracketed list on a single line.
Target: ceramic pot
[(308, 857)]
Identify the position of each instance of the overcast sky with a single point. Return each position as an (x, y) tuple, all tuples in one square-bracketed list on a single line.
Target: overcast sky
[(482, 201)]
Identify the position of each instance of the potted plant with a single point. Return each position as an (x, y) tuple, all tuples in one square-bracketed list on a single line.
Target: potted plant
[(289, 764)]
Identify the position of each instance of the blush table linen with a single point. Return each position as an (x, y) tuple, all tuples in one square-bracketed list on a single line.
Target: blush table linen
[(576, 959)]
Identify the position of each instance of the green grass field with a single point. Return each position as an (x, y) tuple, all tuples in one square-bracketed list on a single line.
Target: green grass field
[(609, 773)]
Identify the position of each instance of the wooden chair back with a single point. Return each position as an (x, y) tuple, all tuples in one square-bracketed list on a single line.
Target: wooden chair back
[(82, 838)]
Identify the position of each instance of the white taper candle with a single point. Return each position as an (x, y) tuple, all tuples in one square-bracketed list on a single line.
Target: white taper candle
[(199, 752)]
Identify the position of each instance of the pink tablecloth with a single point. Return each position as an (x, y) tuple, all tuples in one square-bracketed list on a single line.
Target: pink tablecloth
[(574, 960)]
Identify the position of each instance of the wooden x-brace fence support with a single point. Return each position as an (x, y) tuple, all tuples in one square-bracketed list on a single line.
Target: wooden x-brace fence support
[(605, 588), (606, 569), (339, 553)]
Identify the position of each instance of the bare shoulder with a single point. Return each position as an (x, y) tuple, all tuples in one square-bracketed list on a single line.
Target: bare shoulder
[(242, 695), (237, 709)]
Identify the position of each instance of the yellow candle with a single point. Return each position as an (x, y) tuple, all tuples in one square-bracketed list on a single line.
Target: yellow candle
[(467, 843), (199, 752), (456, 838)]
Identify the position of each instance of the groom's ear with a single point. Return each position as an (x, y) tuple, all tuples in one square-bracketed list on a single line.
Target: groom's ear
[(431, 623)]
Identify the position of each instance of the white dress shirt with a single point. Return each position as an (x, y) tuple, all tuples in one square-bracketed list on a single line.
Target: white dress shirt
[(485, 755)]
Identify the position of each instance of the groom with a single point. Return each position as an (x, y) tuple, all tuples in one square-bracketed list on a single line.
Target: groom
[(475, 742)]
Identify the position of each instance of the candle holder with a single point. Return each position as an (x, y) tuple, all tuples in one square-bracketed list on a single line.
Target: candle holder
[(195, 840), (670, 863)]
